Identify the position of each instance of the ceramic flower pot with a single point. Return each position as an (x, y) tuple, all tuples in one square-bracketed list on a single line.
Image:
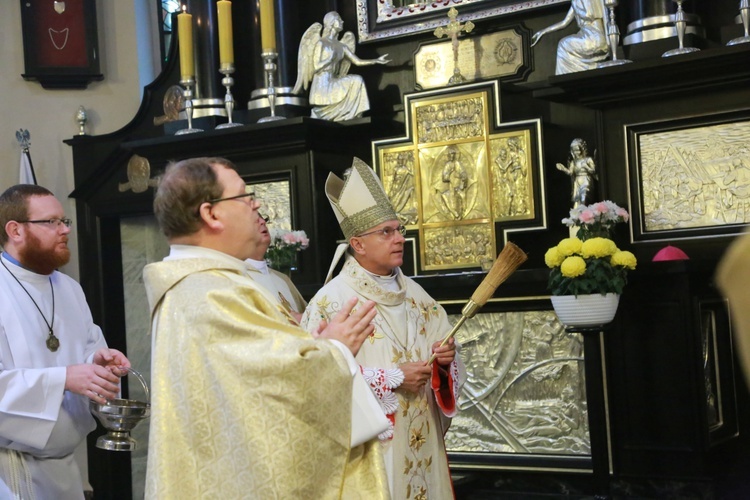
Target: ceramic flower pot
[(585, 310)]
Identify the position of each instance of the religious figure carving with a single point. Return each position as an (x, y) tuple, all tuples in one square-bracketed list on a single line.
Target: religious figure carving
[(582, 171), (585, 49), (401, 185), (323, 65)]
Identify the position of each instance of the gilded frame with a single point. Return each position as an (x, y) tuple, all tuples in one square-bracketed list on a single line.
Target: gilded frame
[(379, 20), (524, 404), (689, 178)]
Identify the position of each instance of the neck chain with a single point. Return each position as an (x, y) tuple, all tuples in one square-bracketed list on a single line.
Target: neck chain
[(53, 343)]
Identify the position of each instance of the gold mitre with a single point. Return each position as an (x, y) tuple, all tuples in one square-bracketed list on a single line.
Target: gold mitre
[(359, 202)]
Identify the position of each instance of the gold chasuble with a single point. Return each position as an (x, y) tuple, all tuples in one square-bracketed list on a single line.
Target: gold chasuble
[(245, 404)]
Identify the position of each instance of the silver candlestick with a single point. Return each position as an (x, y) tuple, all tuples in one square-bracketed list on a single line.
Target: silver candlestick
[(269, 66), (227, 70), (613, 34), (188, 83), (745, 15), (680, 22)]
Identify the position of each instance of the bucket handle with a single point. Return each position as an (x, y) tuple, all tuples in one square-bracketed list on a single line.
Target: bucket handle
[(142, 381)]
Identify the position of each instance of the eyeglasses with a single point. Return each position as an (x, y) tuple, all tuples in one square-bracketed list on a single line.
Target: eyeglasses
[(51, 222), (387, 232), (244, 195)]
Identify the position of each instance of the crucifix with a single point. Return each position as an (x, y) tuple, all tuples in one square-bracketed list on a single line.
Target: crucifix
[(453, 29)]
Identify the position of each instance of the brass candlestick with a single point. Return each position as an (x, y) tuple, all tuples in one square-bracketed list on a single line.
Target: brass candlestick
[(227, 69), (188, 83), (269, 66)]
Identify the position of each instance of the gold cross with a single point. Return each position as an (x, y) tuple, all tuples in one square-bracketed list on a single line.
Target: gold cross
[(452, 30)]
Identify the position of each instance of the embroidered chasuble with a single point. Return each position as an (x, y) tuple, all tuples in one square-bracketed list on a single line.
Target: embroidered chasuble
[(278, 284), (408, 322), (244, 403)]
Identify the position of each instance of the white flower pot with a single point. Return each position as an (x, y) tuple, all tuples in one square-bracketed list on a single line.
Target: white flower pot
[(585, 310)]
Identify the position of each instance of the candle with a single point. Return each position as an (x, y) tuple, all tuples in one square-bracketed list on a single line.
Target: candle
[(185, 34), (226, 47), (267, 26)]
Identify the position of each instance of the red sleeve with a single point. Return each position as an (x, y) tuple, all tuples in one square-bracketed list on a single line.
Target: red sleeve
[(444, 386)]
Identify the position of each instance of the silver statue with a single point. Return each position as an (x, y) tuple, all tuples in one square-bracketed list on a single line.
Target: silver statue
[(582, 171), (324, 60), (585, 49)]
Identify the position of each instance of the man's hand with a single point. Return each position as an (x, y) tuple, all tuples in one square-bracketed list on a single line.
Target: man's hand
[(445, 355), (416, 375), (113, 360), (94, 381), (351, 328)]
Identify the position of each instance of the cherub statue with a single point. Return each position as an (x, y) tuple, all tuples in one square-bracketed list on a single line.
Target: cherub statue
[(585, 49), (582, 171), (324, 60)]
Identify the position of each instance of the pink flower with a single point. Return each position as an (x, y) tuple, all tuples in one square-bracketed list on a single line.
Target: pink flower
[(621, 212), (587, 216), (599, 208)]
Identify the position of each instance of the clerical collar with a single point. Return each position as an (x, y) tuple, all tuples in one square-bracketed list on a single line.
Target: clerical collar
[(260, 265), (387, 282)]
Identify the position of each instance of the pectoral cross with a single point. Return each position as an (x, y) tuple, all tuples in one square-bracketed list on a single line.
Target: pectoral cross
[(453, 29)]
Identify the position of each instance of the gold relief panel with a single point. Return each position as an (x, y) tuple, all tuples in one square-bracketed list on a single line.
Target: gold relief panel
[(450, 119), (457, 246), (454, 182), (398, 174), (457, 176), (512, 176)]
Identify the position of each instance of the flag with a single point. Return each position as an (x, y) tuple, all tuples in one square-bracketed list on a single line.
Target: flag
[(26, 172)]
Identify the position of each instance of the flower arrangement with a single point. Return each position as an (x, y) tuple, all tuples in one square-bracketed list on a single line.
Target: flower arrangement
[(282, 252), (590, 263), (597, 219)]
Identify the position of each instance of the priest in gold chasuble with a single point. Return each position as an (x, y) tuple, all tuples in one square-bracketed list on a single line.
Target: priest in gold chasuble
[(418, 398), (245, 404)]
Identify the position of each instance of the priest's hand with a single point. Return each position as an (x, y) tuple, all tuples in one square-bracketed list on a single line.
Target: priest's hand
[(351, 328), (416, 375), (446, 354), (93, 381), (113, 360)]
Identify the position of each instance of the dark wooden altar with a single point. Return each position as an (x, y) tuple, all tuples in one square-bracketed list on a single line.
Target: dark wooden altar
[(666, 429)]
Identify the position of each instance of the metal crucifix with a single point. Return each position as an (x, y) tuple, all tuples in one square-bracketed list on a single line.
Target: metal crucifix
[(452, 30)]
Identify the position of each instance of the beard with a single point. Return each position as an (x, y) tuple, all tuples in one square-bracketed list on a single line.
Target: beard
[(42, 260)]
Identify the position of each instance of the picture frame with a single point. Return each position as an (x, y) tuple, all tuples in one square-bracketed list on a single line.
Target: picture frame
[(60, 43), (689, 178), (380, 20)]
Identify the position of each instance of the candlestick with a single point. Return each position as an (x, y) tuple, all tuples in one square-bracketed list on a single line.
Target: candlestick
[(745, 16), (267, 26), (228, 81), (185, 37), (269, 65), (187, 95), (226, 46), (613, 35)]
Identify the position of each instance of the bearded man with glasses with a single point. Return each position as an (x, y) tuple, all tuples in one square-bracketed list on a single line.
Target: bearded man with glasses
[(53, 358), (418, 398)]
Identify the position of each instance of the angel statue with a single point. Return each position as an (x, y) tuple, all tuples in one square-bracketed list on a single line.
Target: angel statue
[(324, 60), (583, 50)]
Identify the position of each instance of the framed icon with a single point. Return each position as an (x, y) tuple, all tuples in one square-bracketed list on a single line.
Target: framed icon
[(60, 43)]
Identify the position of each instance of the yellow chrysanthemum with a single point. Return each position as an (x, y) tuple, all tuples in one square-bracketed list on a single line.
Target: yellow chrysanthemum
[(598, 247), (573, 266), (569, 246), (623, 258), (553, 257)]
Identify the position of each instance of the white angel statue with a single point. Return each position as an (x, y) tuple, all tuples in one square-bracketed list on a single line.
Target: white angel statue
[(324, 60)]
